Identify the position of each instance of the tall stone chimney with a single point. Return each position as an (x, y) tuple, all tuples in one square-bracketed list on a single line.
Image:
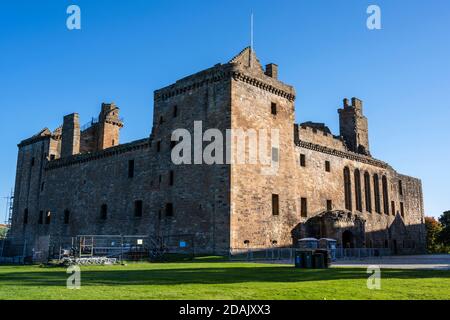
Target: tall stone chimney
[(272, 70), (70, 138)]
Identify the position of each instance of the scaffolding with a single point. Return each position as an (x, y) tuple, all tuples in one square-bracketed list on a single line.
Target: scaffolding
[(9, 209)]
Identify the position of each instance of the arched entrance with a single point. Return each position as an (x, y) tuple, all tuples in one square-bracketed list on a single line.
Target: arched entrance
[(347, 239)]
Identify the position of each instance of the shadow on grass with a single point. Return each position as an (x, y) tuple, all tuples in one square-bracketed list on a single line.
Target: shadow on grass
[(210, 275)]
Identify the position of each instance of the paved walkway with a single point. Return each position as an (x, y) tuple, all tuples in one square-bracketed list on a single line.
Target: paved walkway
[(434, 262)]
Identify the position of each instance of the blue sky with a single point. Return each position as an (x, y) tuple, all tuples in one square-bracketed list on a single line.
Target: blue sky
[(128, 49)]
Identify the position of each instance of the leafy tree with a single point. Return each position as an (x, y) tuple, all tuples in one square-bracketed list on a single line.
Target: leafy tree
[(3, 231), (434, 229), (444, 235)]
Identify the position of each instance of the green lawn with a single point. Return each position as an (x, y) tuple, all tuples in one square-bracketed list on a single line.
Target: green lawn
[(219, 280)]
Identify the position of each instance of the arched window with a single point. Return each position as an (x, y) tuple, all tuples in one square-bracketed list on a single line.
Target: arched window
[(376, 190), (368, 192), (347, 189), (385, 195), (358, 190)]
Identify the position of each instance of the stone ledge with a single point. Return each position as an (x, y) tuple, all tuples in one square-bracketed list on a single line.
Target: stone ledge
[(86, 157)]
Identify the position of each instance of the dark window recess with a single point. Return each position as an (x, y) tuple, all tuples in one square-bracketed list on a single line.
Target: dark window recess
[(304, 207), (400, 187), (138, 208), (104, 212), (358, 194), (175, 111), (48, 216), (52, 157), (402, 209), (25, 216), (32, 161), (66, 216), (130, 168), (169, 209), (275, 205), (329, 205), (347, 189), (42, 186), (158, 146), (327, 166), (368, 192), (393, 207), (273, 108), (302, 160), (161, 120), (160, 179), (41, 217), (171, 178), (376, 190), (275, 155), (385, 195)]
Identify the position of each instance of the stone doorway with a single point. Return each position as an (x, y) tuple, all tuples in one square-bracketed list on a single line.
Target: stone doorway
[(347, 239)]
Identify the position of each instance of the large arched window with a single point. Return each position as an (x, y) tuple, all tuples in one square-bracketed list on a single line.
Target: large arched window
[(347, 189), (368, 192), (385, 195), (358, 190), (376, 190)]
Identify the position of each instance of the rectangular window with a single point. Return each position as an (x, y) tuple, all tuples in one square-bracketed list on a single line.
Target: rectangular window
[(393, 207), (130, 168), (175, 111), (304, 207), (25, 216), (169, 209), (275, 155), (42, 186), (48, 216), (329, 205), (275, 205), (138, 208), (302, 160), (327, 166), (158, 146), (32, 161), (104, 212), (66, 216), (171, 178), (400, 187), (402, 209), (273, 108), (41, 217)]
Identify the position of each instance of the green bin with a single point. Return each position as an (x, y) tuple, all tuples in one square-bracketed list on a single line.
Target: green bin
[(318, 261)]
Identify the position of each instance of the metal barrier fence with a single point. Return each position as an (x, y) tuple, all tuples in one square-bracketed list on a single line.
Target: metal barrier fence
[(287, 254)]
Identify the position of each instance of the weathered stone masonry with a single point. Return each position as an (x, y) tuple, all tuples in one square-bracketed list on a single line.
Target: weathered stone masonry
[(79, 180)]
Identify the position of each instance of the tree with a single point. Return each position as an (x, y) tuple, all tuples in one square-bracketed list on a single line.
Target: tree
[(3, 231), (444, 235), (434, 229)]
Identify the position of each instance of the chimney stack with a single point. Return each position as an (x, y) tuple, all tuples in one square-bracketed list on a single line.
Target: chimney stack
[(272, 70), (70, 140)]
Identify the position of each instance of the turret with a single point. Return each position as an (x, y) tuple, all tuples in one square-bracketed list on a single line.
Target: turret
[(354, 126), (109, 126)]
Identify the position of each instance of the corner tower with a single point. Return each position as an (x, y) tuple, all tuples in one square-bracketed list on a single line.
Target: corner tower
[(109, 126), (354, 126)]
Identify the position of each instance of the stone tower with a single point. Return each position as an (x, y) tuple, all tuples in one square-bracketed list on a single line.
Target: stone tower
[(70, 143), (109, 126), (354, 126)]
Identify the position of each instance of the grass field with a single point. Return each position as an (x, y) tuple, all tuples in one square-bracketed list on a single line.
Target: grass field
[(219, 280)]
